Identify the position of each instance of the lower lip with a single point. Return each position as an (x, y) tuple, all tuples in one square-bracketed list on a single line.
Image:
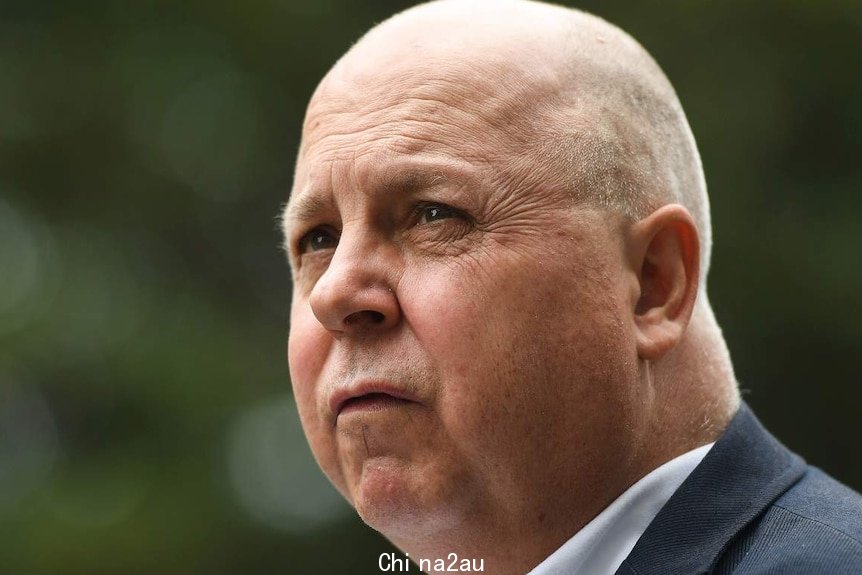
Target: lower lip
[(371, 402)]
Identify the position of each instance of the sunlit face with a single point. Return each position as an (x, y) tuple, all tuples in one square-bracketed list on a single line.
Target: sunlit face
[(460, 343)]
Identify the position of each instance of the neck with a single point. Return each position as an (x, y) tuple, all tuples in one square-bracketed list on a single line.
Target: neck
[(501, 549), (695, 389)]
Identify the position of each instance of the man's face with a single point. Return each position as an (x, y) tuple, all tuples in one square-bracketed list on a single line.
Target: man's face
[(458, 327)]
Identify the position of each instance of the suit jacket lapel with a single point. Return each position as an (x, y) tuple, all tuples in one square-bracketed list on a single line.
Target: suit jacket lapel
[(744, 472)]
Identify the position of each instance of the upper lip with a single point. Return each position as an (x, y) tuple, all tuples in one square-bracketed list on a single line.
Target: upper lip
[(343, 395)]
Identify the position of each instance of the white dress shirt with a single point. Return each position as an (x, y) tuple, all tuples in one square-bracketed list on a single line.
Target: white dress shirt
[(600, 547)]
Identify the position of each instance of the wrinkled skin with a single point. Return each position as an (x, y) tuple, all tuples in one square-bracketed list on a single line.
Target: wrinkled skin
[(449, 250), (427, 252)]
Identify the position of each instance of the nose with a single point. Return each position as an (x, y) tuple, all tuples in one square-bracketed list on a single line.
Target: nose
[(355, 294)]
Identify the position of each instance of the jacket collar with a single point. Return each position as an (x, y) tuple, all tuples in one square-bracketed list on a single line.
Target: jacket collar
[(744, 472)]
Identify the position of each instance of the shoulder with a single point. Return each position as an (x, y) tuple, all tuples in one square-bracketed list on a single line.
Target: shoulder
[(819, 498), (815, 528), (753, 507)]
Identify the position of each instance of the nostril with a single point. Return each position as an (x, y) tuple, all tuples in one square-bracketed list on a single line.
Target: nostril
[(365, 316)]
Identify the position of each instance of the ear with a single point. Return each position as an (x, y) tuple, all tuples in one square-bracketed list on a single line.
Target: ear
[(664, 251)]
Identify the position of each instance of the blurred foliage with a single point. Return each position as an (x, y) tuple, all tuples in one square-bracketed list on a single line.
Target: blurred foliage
[(146, 423)]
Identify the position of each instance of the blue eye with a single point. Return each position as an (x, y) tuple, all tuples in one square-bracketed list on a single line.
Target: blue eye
[(318, 239), (436, 212)]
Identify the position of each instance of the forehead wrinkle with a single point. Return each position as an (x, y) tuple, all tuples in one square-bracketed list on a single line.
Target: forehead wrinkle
[(448, 94)]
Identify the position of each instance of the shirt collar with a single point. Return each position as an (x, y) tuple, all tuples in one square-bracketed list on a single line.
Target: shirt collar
[(602, 544)]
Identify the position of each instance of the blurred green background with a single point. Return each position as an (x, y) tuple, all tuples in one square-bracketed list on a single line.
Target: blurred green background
[(146, 420)]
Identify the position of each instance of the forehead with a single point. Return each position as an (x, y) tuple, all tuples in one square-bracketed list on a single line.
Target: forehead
[(406, 109), (428, 113)]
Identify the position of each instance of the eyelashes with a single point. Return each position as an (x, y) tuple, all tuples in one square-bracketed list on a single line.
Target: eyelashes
[(323, 238), (317, 239), (433, 212)]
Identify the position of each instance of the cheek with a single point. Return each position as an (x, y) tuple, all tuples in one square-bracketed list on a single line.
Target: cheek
[(306, 353), (471, 324), (528, 354), (308, 347), (441, 309)]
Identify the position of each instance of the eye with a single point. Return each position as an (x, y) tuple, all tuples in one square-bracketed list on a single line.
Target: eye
[(432, 212), (318, 239)]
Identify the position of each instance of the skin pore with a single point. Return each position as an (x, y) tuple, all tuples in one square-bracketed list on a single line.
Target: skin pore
[(499, 223)]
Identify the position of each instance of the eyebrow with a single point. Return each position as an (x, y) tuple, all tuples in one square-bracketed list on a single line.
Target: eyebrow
[(305, 208), (311, 203)]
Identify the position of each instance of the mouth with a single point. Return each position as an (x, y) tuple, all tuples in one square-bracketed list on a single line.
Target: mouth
[(371, 402), (368, 399)]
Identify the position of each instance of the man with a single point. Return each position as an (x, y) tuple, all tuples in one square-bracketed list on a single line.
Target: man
[(501, 344)]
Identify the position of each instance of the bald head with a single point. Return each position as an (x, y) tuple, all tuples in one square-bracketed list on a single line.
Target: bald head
[(499, 219), (571, 97)]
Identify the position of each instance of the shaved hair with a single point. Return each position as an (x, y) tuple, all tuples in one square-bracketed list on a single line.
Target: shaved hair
[(608, 123), (620, 131)]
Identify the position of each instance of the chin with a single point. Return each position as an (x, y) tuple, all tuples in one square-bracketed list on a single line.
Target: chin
[(399, 503), (384, 494)]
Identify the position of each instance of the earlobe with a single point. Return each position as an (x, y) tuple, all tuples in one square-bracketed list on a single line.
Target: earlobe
[(666, 254)]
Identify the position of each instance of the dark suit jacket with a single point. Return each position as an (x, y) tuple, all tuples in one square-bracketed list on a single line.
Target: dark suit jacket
[(753, 507)]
